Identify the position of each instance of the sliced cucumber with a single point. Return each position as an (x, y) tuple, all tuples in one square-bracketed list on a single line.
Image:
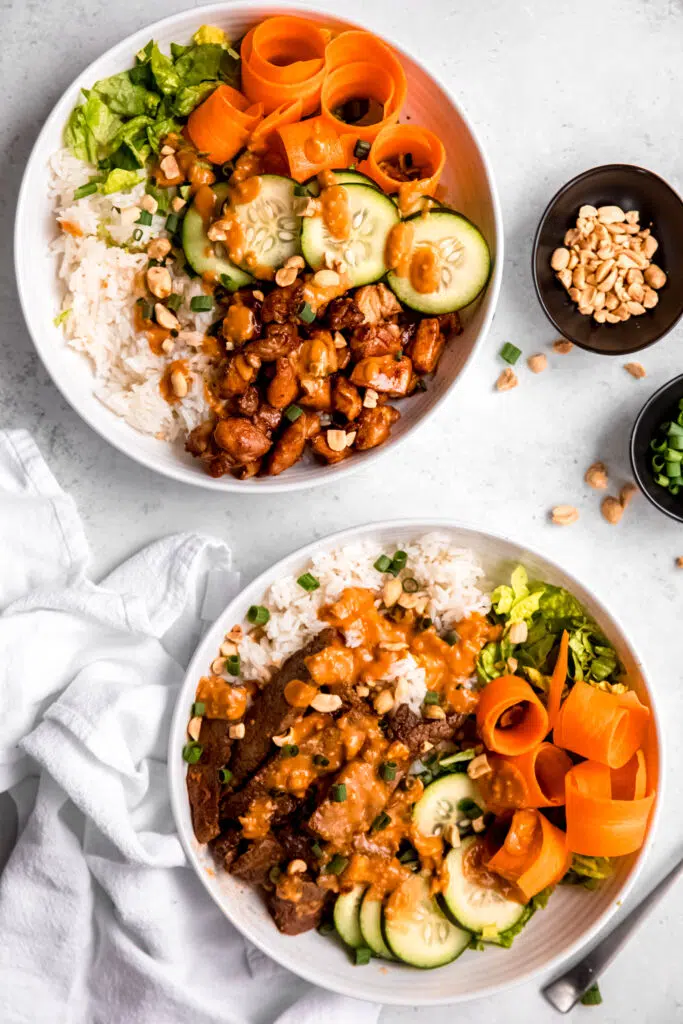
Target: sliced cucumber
[(482, 911), (441, 804), (373, 215), (205, 256), (415, 929), (465, 263), (371, 910), (344, 176), (271, 228), (347, 916)]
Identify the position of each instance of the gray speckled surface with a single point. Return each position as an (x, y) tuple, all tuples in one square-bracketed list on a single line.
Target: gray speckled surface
[(553, 89)]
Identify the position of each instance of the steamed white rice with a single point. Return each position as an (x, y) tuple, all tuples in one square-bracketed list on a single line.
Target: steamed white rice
[(98, 275), (451, 577)]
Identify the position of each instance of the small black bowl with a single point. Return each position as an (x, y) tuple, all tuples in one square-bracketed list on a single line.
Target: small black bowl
[(631, 188), (659, 408)]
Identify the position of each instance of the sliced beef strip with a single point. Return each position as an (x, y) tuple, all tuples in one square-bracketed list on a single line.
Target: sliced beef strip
[(255, 863), (234, 805), (270, 714), (413, 731), (297, 846), (294, 916), (225, 847), (203, 785)]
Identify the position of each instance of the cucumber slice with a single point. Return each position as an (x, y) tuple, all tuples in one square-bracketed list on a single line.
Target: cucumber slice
[(271, 228), (344, 176), (203, 255), (371, 910), (347, 916), (482, 911), (415, 929), (373, 215), (441, 803), (465, 263)]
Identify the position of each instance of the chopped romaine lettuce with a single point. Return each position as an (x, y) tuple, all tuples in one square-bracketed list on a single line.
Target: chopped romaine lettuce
[(165, 74), (119, 180), (61, 317), (210, 34), (125, 98), (157, 131), (191, 96)]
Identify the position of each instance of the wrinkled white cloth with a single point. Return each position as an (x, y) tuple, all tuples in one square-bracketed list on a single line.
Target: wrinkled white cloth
[(101, 919)]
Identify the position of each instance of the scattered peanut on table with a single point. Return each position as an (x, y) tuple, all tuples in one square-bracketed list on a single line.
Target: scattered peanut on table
[(537, 363), (636, 370), (507, 380), (564, 515), (596, 476)]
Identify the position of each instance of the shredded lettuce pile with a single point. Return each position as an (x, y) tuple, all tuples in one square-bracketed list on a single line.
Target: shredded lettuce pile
[(122, 120), (547, 611)]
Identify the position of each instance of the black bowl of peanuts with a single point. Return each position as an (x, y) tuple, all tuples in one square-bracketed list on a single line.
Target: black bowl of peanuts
[(607, 259)]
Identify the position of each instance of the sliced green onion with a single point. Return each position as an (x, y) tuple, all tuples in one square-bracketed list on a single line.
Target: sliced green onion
[(145, 218), (398, 562), (380, 822), (658, 445), (673, 469), (674, 429), (137, 234), (185, 191), (431, 697), (662, 480), (383, 563), (85, 190), (192, 752), (388, 770), (174, 301), (675, 443), (258, 615), (292, 413), (232, 665), (410, 585), (317, 850), (321, 761), (424, 623), (407, 857), (363, 956), (451, 638), (146, 309), (337, 864), (201, 303), (224, 776), (338, 793), (510, 353), (274, 873), (172, 222), (672, 455), (592, 996), (198, 709), (289, 750), (227, 169), (674, 489), (306, 314), (361, 149), (658, 463), (462, 755), (308, 582)]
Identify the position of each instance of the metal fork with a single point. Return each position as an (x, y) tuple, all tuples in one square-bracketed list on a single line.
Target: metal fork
[(565, 991)]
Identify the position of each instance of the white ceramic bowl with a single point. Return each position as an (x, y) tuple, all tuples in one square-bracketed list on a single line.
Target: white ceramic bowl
[(574, 915), (471, 189)]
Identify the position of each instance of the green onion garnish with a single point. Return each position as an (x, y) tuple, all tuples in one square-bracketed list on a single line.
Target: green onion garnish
[(232, 665), (172, 222), (363, 956), (410, 585), (510, 353), (145, 218), (431, 697), (424, 623), (317, 850), (592, 996), (306, 314), (201, 303), (192, 752), (137, 234), (451, 638), (308, 582), (258, 615), (224, 776), (380, 822), (338, 793), (146, 309), (408, 857), (337, 864), (274, 873), (289, 750), (383, 563), (85, 190), (361, 149), (185, 191), (321, 761), (292, 413), (174, 301), (388, 770), (462, 755), (398, 562), (198, 709)]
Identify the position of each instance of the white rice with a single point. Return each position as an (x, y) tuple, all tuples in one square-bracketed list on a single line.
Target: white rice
[(98, 275), (449, 575)]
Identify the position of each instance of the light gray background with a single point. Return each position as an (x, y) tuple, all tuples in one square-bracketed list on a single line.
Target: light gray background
[(553, 89)]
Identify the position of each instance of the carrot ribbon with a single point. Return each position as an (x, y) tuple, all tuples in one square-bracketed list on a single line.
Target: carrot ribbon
[(533, 779), (284, 59), (262, 136), (221, 125), (510, 717), (360, 66), (604, 727), (533, 854), (426, 151), (314, 145), (607, 811)]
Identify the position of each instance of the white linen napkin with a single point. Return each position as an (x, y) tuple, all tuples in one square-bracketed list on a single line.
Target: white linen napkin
[(101, 919)]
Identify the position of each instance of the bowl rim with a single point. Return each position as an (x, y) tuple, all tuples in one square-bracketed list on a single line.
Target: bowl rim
[(181, 473), (178, 793), (537, 236), (644, 484)]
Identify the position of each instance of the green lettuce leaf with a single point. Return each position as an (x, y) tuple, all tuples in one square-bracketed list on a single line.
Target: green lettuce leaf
[(133, 136), (119, 180), (159, 129), (78, 137), (492, 661), (588, 872), (165, 74), (520, 581), (506, 938), (200, 64), (124, 97), (61, 317), (190, 96), (560, 609), (102, 123)]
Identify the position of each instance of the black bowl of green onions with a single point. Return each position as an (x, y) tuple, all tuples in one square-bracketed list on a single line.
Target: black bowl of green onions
[(657, 449)]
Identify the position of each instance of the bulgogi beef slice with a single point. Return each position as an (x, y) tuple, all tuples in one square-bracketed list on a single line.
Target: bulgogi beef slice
[(270, 714), (296, 905), (343, 314), (297, 846), (225, 847), (283, 304), (413, 731), (257, 860), (203, 784)]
